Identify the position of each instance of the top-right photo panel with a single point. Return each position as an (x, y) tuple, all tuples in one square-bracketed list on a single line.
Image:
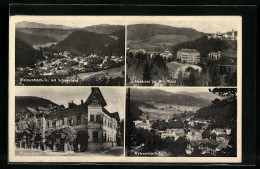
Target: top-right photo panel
[(184, 51)]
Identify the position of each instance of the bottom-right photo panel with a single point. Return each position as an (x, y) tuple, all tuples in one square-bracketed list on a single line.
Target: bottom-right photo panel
[(181, 122)]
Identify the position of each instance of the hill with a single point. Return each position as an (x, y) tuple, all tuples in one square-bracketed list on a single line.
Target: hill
[(104, 28), (30, 101), (160, 96), (33, 39), (156, 37), (203, 95), (89, 42), (224, 113), (46, 33), (205, 45), (26, 24), (25, 55)]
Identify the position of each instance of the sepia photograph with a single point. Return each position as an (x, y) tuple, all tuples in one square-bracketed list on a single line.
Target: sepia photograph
[(58, 52), (125, 89), (178, 122), (193, 51), (76, 122)]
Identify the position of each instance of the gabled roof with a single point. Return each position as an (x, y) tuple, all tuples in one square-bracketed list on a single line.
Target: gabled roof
[(188, 50), (67, 112), (95, 91), (107, 112), (116, 116)]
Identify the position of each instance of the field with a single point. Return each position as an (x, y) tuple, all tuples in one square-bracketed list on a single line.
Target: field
[(164, 110), (110, 73)]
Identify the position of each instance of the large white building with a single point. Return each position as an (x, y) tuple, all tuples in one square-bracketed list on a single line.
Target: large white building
[(90, 116)]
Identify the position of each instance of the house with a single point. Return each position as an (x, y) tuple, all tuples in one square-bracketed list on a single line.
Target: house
[(136, 51), (214, 55), (143, 124), (204, 146), (166, 54), (223, 36), (176, 133), (194, 135), (191, 56), (219, 131), (90, 116), (224, 139)]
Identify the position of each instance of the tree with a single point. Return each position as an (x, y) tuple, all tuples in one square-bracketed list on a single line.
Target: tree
[(225, 92), (82, 140), (180, 146), (206, 134), (62, 136), (147, 74)]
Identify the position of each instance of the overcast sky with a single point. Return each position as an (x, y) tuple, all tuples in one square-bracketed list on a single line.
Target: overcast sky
[(206, 24), (114, 96)]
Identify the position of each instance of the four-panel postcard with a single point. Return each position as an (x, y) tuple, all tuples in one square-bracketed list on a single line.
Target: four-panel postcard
[(125, 89)]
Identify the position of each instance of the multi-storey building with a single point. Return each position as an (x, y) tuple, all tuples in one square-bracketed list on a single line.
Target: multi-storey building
[(191, 56), (91, 116), (214, 55)]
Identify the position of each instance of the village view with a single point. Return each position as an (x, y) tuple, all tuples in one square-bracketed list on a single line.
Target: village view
[(160, 127), (48, 54), (180, 57)]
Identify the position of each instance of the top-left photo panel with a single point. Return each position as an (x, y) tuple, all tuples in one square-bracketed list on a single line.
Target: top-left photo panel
[(67, 50)]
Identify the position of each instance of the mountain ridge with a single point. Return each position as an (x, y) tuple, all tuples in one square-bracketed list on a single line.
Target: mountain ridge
[(26, 24), (161, 96)]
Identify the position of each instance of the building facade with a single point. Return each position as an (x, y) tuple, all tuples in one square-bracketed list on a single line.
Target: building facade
[(191, 56), (214, 55), (90, 116)]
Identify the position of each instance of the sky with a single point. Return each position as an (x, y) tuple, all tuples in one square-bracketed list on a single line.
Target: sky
[(206, 24), (62, 95)]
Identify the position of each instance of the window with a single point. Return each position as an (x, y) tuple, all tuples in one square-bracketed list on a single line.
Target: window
[(105, 137), (39, 122), (50, 123), (61, 122), (98, 119), (65, 121), (95, 136), (92, 118), (54, 124), (71, 121), (78, 119)]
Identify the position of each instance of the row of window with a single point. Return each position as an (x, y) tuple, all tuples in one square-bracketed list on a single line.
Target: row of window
[(99, 119), (64, 121), (105, 137)]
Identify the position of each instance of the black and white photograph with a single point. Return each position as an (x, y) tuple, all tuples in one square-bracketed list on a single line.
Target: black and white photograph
[(82, 121), (181, 122), (58, 52), (125, 89), (174, 51)]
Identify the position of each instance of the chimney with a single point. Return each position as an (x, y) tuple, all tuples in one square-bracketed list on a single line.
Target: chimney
[(82, 102)]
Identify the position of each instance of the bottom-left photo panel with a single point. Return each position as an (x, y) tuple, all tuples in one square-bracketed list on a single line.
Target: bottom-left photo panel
[(68, 121)]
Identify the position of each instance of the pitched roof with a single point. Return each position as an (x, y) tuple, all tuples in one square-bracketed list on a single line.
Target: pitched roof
[(94, 91), (188, 50), (67, 112), (115, 115)]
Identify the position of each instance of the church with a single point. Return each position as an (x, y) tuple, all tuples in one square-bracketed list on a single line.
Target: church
[(90, 116)]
